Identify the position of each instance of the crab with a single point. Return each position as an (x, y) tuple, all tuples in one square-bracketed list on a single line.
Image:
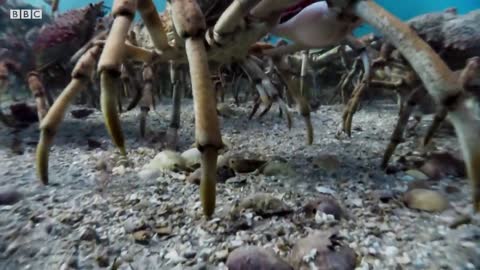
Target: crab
[(455, 37), (45, 52), (183, 35)]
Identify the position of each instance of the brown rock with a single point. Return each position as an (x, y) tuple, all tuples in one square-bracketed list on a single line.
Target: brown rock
[(10, 196), (426, 200), (245, 165), (440, 165), (324, 251), (253, 257), (263, 204), (326, 204)]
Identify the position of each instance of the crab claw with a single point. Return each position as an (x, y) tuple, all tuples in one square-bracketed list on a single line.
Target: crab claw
[(316, 25)]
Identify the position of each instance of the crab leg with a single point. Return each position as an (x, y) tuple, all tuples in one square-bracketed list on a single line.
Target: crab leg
[(176, 107), (109, 67), (190, 24), (302, 105), (38, 91), (437, 121), (303, 72), (266, 8), (230, 19), (397, 135), (81, 75), (152, 21), (147, 97), (264, 86), (440, 82)]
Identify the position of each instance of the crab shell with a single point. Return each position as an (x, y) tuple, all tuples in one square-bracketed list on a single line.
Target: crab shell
[(66, 34)]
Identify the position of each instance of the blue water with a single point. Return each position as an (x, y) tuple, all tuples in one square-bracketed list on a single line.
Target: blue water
[(404, 9)]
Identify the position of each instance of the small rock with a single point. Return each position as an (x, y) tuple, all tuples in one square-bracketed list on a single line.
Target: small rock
[(277, 168), (325, 190), (253, 257), (81, 113), (174, 257), (241, 165), (163, 231), (321, 250), (383, 196), (325, 204), (221, 255), (195, 177), (224, 110), (133, 224), (167, 160), (390, 251), (418, 175), (459, 221), (263, 204), (327, 162), (451, 189), (404, 259), (102, 257), (10, 196), (88, 234), (142, 237), (120, 170), (426, 200), (440, 165), (192, 157)]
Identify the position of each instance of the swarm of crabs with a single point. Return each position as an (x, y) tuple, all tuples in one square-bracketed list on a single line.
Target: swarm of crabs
[(212, 44)]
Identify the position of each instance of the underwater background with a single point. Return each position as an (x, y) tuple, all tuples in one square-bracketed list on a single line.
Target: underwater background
[(404, 9)]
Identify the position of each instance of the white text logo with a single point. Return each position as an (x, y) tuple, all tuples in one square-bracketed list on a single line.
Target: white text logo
[(26, 14)]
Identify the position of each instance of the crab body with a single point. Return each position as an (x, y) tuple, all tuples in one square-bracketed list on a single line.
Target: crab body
[(59, 40)]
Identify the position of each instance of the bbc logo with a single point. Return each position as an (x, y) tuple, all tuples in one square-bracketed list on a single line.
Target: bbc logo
[(26, 14)]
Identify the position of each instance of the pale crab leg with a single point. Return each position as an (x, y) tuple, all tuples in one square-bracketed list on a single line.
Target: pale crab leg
[(81, 75), (146, 102), (38, 91), (109, 67), (302, 105), (303, 72), (190, 24), (154, 25), (440, 82), (230, 19), (357, 93)]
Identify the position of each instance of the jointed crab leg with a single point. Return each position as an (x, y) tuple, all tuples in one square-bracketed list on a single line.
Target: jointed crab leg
[(411, 102), (190, 24), (266, 8), (437, 121), (152, 21), (177, 94), (265, 88), (109, 67), (146, 103), (38, 91), (81, 75), (439, 80), (303, 72), (230, 19)]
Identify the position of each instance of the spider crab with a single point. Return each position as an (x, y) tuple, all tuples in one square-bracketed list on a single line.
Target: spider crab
[(42, 55), (182, 34)]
